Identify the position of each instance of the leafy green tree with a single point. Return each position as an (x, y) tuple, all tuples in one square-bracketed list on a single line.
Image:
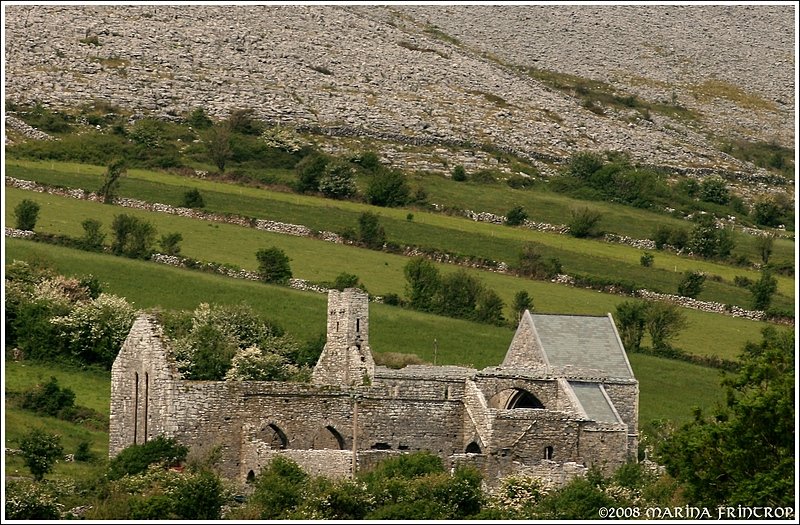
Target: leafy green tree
[(422, 282), (744, 454), (370, 232), (579, 500), (338, 180), (278, 488), (112, 179), (346, 280), (370, 161), (310, 170), (273, 265), (243, 121), (48, 398), (583, 223), (763, 289), (664, 322), (26, 213), (630, 318), (217, 141), (706, 240), (457, 295), (583, 165), (92, 238), (714, 189), (516, 216), (764, 245), (489, 308), (522, 302), (40, 451), (646, 259), (691, 284), (199, 497), (388, 188), (193, 199), (133, 237)]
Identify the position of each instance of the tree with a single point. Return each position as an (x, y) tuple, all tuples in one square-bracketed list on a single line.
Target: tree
[(40, 451), (522, 302), (584, 164), (713, 189), (133, 237), (489, 308), (630, 317), (135, 459), (26, 213), (457, 295), (370, 232), (663, 322), (516, 216), (338, 181), (92, 237), (764, 245), (193, 199), (763, 289), (706, 240), (111, 180), (692, 284), (744, 453), (310, 170), (217, 141), (422, 281), (273, 265), (388, 188), (583, 222)]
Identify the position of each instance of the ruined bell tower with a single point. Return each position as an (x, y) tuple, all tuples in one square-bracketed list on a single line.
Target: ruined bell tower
[(346, 359)]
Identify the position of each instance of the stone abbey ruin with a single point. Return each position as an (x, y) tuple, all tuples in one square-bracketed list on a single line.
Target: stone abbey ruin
[(563, 399)]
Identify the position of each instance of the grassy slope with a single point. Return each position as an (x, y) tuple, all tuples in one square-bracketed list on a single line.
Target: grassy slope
[(92, 389), (380, 272), (435, 230)]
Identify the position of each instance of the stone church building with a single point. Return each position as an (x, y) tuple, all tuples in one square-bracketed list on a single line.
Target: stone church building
[(563, 399)]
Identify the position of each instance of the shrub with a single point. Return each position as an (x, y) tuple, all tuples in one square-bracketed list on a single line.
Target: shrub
[(763, 289), (92, 237), (25, 500), (522, 302), (714, 189), (273, 265), (26, 213), (484, 177), (345, 280), (422, 282), (630, 318), (199, 497), (170, 243), (193, 199), (532, 263), (338, 180), (516, 216), (136, 458), (309, 172), (111, 180), (489, 308), (692, 284), (278, 488), (84, 453), (370, 233), (133, 237), (48, 398), (663, 322), (198, 119), (647, 259), (583, 223), (583, 165), (459, 173), (40, 451), (388, 188), (706, 240), (519, 182), (742, 281)]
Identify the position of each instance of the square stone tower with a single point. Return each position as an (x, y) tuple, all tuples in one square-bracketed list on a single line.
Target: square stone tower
[(346, 359)]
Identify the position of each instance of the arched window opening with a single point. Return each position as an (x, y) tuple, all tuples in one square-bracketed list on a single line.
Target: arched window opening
[(275, 437), (548, 452), (523, 399), (473, 448), (328, 438), (251, 476)]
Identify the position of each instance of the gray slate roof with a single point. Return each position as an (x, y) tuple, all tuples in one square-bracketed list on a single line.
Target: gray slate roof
[(594, 403), (584, 345)]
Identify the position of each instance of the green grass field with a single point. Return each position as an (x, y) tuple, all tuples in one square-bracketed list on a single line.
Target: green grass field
[(457, 235)]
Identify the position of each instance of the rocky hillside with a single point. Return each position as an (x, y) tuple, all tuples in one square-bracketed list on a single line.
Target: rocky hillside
[(681, 79)]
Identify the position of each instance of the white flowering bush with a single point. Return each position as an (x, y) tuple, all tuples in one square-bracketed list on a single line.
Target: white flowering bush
[(518, 494), (284, 138), (26, 500), (95, 330), (254, 364)]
